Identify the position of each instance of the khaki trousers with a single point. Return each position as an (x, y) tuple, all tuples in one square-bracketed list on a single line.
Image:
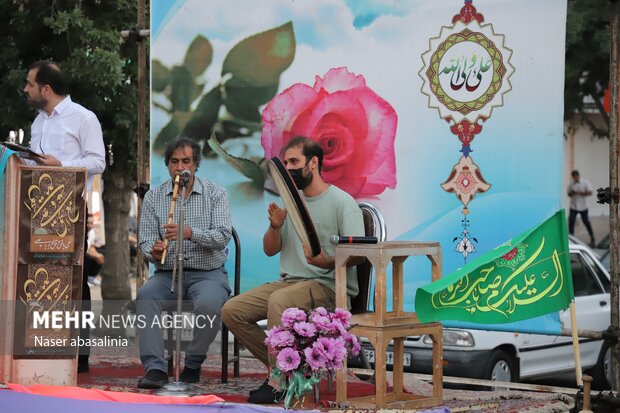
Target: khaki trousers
[(241, 313)]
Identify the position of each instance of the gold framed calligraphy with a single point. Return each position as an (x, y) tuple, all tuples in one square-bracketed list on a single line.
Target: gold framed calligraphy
[(43, 291), (52, 213), (50, 254)]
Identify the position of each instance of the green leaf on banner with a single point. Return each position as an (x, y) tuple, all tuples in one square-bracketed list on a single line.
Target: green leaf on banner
[(204, 117), (248, 127), (242, 99), (165, 135), (183, 89), (160, 76), (260, 59), (247, 167), (171, 131), (198, 56), (526, 277)]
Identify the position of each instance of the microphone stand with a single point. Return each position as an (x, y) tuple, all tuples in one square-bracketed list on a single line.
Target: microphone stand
[(178, 388)]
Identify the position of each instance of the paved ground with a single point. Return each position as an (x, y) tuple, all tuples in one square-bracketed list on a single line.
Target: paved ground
[(600, 226)]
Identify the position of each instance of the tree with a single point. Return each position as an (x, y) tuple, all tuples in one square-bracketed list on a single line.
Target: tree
[(83, 36), (587, 59)]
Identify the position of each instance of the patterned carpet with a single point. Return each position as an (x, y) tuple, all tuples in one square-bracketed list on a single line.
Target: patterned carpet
[(120, 369)]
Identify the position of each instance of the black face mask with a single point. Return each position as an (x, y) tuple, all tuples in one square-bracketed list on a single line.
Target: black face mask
[(300, 180)]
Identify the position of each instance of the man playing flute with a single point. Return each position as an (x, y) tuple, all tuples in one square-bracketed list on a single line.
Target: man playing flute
[(206, 234)]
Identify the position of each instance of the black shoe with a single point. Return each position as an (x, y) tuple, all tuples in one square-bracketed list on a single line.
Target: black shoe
[(82, 364), (257, 389), (154, 379), (265, 394), (190, 375)]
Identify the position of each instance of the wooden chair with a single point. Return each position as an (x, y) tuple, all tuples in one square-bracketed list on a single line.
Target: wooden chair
[(226, 360), (374, 225)]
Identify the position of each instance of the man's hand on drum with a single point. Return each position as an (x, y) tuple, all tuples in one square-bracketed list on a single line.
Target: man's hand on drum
[(321, 260), (277, 215)]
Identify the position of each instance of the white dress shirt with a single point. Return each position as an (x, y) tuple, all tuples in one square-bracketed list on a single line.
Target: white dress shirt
[(579, 202), (72, 134)]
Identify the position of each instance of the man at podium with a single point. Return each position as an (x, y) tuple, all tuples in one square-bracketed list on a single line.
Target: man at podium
[(67, 135)]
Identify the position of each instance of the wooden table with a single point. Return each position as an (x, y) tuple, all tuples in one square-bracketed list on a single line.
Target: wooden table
[(383, 326)]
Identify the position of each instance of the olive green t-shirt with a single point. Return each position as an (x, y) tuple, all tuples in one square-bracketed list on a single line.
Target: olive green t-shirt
[(333, 212)]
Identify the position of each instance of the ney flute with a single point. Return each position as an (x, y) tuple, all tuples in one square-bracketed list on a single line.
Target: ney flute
[(175, 194)]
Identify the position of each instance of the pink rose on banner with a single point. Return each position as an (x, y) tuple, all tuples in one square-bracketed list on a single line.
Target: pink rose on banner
[(355, 127)]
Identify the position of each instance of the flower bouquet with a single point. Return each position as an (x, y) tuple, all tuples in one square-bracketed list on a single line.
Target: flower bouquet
[(306, 343)]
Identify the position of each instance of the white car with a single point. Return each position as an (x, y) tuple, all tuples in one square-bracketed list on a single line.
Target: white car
[(599, 249), (506, 356)]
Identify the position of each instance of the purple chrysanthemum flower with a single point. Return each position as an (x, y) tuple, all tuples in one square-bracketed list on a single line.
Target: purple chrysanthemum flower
[(321, 322), (312, 341), (270, 333), (315, 357), (291, 315), (320, 311), (353, 343), (343, 315), (338, 354), (279, 338), (328, 346), (337, 326), (288, 359), (305, 329)]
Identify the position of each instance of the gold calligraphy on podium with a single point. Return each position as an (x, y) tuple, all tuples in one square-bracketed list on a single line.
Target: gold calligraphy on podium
[(50, 256), (53, 215), (46, 288)]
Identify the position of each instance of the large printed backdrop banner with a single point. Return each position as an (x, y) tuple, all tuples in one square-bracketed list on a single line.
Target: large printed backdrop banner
[(445, 115)]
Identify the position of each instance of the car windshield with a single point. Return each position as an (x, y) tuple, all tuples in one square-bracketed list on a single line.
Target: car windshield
[(605, 260), (603, 244)]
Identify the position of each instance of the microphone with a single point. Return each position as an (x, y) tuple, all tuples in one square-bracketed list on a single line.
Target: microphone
[(185, 176), (347, 239)]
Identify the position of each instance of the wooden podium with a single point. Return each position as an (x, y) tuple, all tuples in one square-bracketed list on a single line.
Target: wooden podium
[(383, 326), (42, 230)]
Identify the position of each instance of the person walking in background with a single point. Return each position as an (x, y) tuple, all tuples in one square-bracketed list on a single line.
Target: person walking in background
[(578, 191), (66, 134), (94, 259)]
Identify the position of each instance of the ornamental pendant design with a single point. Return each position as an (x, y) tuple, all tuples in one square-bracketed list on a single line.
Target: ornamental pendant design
[(465, 75)]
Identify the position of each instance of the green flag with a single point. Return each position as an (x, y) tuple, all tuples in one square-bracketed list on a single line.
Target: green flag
[(526, 277)]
